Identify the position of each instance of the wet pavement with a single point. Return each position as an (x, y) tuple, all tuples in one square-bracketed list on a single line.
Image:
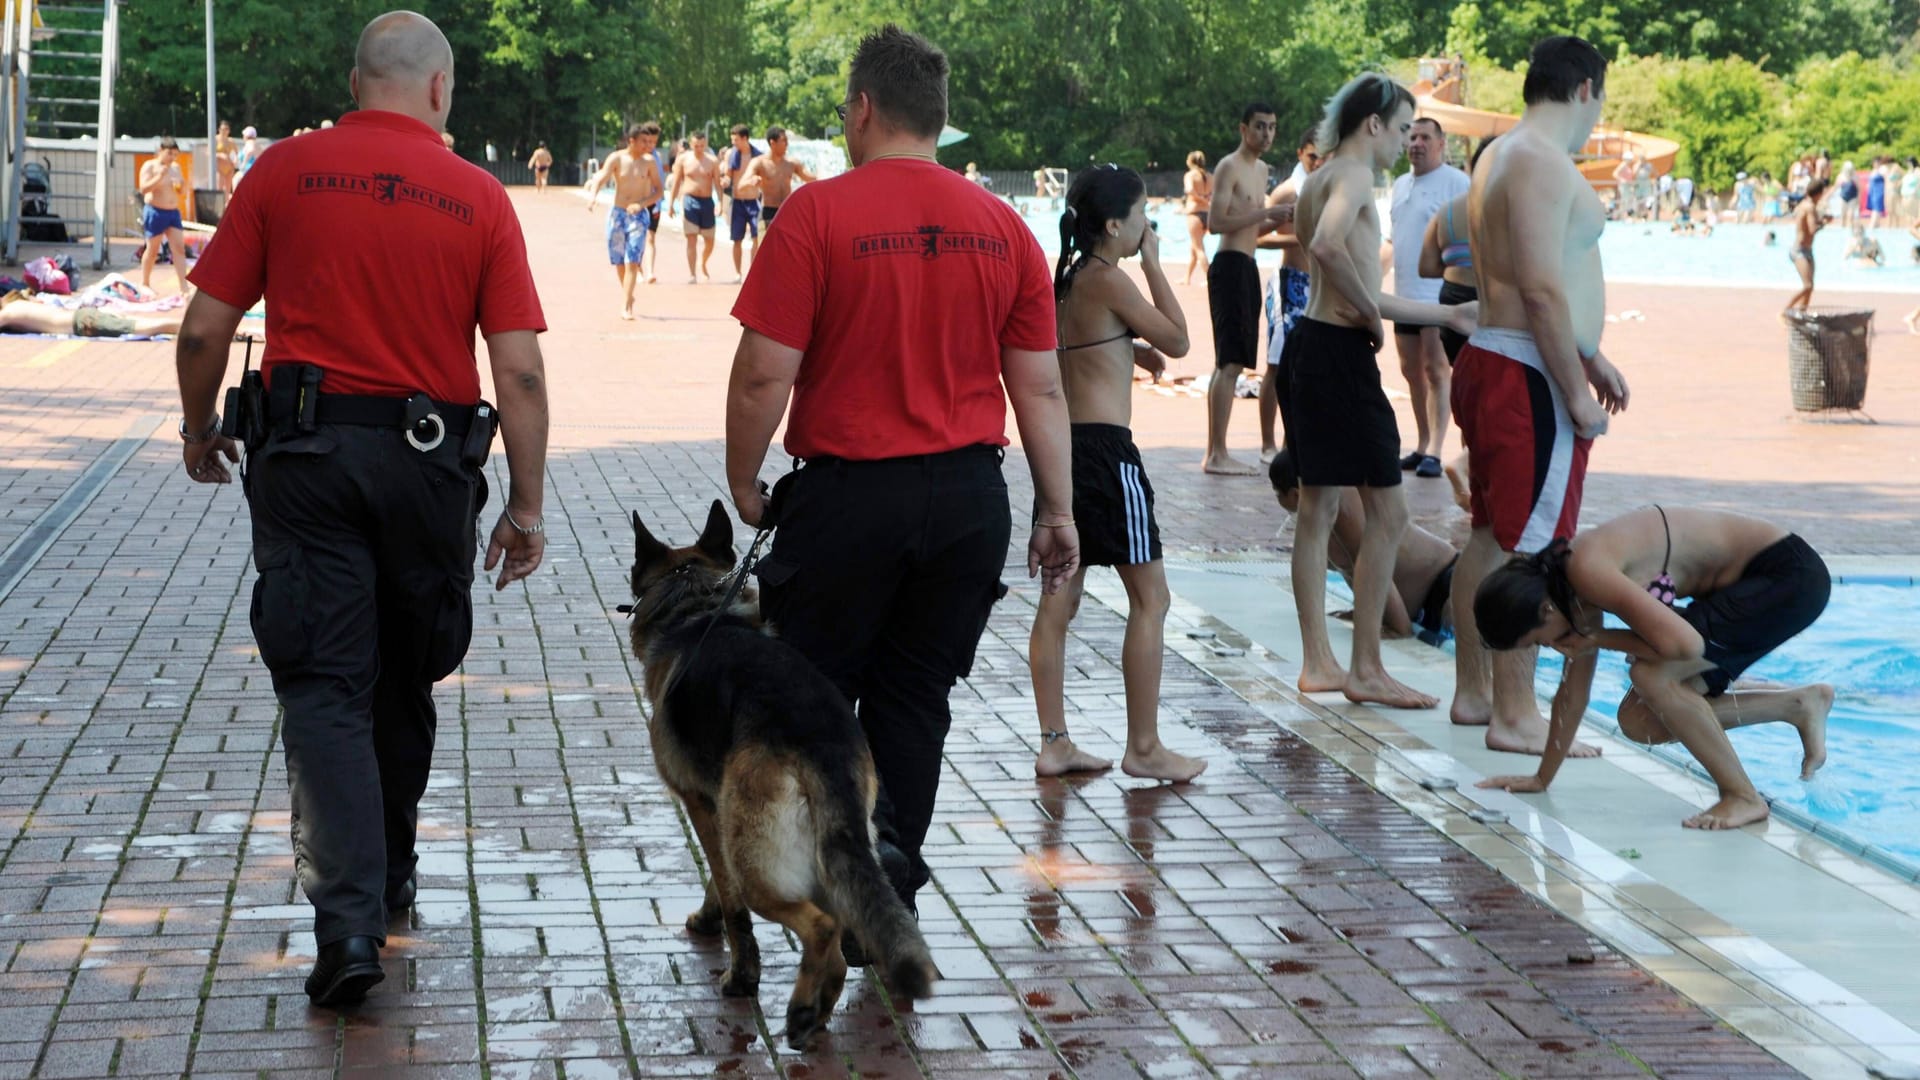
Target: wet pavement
[(1278, 918)]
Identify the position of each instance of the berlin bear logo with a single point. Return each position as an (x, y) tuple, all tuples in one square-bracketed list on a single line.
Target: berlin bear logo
[(386, 186), (930, 240)]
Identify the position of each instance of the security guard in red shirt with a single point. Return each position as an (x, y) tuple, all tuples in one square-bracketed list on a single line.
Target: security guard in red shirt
[(894, 303), (378, 252)]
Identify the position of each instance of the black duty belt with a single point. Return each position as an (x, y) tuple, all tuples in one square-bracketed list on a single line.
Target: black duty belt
[(425, 421)]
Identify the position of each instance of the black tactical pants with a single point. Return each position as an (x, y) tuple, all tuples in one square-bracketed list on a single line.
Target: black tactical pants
[(365, 548)]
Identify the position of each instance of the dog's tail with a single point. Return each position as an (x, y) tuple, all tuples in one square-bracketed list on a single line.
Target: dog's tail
[(860, 897)]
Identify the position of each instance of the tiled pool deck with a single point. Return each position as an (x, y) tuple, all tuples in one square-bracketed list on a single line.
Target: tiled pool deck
[(1281, 918)]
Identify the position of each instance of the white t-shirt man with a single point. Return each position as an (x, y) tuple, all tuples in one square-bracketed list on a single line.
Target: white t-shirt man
[(1415, 200)]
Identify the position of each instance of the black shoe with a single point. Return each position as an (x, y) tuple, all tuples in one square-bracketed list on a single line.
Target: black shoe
[(1429, 467), (898, 868), (345, 971), (401, 898), (1412, 461)]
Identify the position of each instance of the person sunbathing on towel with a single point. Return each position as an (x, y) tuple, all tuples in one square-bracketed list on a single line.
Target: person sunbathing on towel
[(1754, 586), (23, 316)]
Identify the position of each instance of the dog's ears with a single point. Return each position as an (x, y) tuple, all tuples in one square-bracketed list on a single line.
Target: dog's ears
[(716, 540), (646, 549)]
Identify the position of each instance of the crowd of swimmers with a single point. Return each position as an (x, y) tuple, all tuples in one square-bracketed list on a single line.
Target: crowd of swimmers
[(1696, 596)]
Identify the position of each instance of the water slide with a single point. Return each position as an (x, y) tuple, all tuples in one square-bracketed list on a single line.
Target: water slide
[(1438, 94)]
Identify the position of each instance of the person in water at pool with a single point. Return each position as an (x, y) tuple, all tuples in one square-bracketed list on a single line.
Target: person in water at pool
[(1421, 601), (1754, 586)]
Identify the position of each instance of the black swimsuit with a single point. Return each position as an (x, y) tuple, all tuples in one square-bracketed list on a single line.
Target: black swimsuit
[(1780, 592)]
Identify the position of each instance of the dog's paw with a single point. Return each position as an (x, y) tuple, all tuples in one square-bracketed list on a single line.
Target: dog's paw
[(707, 922), (739, 983), (803, 1023)]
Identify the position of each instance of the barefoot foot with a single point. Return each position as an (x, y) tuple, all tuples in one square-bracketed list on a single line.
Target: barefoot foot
[(1384, 689), (1810, 716), (1470, 711), (1529, 736), (1224, 465), (1060, 757), (1161, 763), (1729, 813), (1321, 679)]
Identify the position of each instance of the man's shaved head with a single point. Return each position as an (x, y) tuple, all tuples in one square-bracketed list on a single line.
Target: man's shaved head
[(402, 47)]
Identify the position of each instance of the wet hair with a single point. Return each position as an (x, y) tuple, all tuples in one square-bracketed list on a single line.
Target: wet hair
[(1507, 607), (699, 135), (776, 132), (904, 76), (1196, 160), (1281, 473), (1558, 65), (1818, 187), (1371, 94), (651, 127), (167, 143), (741, 130), (635, 132), (1255, 108), (1309, 136), (1096, 197), (1437, 129)]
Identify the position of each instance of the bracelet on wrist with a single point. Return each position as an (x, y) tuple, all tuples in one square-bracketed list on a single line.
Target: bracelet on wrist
[(539, 523)]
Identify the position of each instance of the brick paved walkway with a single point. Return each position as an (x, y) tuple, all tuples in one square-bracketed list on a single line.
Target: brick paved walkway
[(1279, 919)]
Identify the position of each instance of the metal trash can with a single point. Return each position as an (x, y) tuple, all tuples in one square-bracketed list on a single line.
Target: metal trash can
[(209, 205), (1827, 352)]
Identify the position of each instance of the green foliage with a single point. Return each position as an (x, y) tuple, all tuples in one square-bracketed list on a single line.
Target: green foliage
[(1721, 111), (1057, 82)]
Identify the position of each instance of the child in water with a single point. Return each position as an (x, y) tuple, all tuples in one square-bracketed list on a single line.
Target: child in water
[(1101, 313)]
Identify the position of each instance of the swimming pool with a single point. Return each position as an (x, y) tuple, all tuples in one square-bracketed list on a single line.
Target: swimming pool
[(1734, 255), (1867, 645)]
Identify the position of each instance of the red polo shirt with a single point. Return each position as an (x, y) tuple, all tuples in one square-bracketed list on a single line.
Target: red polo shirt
[(379, 251), (901, 282)]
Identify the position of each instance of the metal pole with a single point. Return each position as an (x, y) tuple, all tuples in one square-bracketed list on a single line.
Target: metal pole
[(11, 197), (210, 176), (103, 159)]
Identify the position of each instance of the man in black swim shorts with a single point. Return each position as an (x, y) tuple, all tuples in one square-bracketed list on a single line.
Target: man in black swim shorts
[(1238, 217), (1340, 428)]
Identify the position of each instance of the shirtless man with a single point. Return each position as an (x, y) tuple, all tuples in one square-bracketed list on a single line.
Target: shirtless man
[(772, 175), (541, 162), (1340, 428), (697, 170), (1287, 292), (744, 194), (636, 184), (1535, 229), (23, 316), (1808, 218), (160, 188), (1238, 216)]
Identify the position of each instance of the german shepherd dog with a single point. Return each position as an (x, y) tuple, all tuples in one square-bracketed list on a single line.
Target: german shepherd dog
[(774, 771)]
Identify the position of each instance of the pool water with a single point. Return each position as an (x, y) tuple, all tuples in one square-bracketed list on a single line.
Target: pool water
[(1735, 255), (1867, 645)]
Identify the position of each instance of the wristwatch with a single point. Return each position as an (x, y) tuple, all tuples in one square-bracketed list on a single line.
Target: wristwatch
[(191, 439)]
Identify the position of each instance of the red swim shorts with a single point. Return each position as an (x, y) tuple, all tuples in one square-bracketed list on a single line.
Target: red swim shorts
[(1526, 468)]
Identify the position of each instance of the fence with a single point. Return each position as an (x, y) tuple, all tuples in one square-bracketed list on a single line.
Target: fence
[(516, 173)]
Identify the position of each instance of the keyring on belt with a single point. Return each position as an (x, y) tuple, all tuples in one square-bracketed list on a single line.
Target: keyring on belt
[(439, 432)]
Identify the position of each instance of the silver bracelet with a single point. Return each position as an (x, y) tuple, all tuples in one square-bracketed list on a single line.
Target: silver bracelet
[(539, 526)]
